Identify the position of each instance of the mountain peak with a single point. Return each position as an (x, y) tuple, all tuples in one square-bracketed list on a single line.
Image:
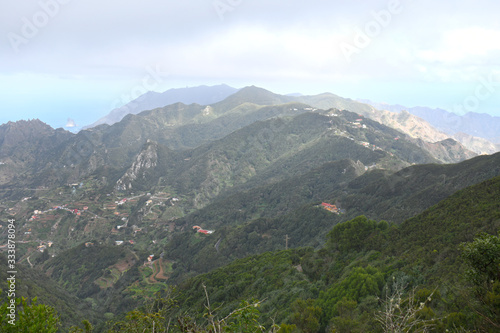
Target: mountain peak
[(29, 122), (203, 95), (25, 129), (256, 95)]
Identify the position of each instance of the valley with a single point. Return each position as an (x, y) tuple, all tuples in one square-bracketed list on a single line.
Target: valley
[(310, 204)]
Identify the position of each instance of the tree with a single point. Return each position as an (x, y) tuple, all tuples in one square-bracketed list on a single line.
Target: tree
[(306, 315), (345, 322), (154, 318), (87, 328), (404, 314), (482, 257), (30, 317)]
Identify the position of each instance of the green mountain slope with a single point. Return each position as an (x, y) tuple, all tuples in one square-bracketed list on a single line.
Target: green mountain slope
[(423, 252), (70, 157), (259, 219), (279, 148), (31, 283), (408, 192)]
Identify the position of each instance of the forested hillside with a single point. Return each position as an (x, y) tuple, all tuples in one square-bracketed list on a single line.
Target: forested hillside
[(310, 217), (347, 284)]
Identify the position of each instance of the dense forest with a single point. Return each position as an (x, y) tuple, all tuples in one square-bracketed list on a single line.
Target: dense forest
[(437, 271)]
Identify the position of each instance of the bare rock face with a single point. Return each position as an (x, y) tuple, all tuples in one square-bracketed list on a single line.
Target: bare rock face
[(478, 145), (145, 160), (446, 151)]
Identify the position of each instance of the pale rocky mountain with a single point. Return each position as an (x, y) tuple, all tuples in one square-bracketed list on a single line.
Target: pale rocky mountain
[(412, 125), (404, 121), (480, 145), (478, 132)]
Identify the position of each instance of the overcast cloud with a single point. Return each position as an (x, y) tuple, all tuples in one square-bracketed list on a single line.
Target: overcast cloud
[(75, 58)]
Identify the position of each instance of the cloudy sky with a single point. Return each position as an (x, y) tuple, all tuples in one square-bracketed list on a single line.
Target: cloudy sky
[(69, 62)]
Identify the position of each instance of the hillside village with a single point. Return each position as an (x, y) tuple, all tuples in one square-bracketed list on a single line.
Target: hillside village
[(57, 220), (356, 124)]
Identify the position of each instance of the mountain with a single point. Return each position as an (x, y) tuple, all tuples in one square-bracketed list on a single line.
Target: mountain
[(414, 126), (203, 95), (117, 213), (405, 122), (288, 208), (23, 144), (470, 127), (363, 264), (408, 124), (479, 145), (408, 192), (178, 126), (476, 124), (376, 193), (272, 150)]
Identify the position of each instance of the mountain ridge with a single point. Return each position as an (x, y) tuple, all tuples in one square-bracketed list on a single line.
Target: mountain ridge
[(417, 128), (476, 125), (203, 95)]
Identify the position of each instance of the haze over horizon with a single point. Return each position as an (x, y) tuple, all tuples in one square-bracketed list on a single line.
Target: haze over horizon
[(70, 63)]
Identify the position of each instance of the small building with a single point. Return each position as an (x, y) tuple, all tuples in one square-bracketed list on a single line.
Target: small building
[(118, 242), (329, 207)]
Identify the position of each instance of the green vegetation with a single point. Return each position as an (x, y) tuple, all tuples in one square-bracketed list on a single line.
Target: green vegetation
[(356, 264), (482, 257), (29, 318), (366, 261), (104, 221)]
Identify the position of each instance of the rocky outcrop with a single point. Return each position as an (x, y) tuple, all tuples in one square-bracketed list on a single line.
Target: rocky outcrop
[(146, 160), (446, 151)]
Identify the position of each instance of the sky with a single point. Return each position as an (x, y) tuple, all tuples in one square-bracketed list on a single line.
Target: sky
[(70, 62)]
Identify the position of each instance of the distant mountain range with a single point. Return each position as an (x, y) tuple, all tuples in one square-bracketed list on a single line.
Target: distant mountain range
[(477, 132), (474, 124), (47, 157), (203, 95)]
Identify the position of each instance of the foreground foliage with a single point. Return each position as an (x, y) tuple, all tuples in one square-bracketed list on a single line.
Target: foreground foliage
[(30, 317)]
